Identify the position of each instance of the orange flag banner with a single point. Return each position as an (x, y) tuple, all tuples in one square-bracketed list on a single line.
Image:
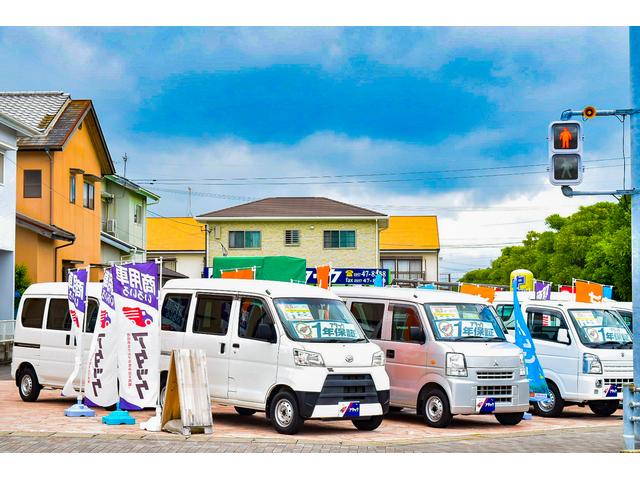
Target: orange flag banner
[(487, 293), (588, 292), (245, 273), (322, 275)]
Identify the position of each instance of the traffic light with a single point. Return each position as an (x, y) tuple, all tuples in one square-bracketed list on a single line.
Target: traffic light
[(565, 153)]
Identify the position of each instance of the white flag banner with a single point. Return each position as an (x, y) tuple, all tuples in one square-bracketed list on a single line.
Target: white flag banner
[(101, 379), (77, 293), (136, 289)]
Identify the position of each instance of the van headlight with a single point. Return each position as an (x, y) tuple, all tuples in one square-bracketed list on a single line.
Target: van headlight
[(456, 366), (591, 364), (378, 359), (523, 368), (304, 358)]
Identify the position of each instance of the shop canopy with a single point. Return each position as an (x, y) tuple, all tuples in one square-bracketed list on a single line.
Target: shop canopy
[(281, 268)]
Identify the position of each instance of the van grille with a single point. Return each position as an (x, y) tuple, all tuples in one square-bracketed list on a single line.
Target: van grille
[(614, 366), (348, 388), (494, 374), (501, 393), (619, 382)]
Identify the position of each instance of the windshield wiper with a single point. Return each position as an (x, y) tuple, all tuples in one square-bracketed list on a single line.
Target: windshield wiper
[(604, 344), (476, 337)]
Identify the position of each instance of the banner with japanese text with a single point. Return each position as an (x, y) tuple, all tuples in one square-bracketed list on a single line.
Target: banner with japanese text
[(488, 293), (588, 292), (136, 290), (542, 290), (101, 376), (538, 389), (77, 294)]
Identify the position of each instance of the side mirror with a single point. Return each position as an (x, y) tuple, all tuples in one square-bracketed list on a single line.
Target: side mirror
[(416, 334), (266, 332), (563, 336)]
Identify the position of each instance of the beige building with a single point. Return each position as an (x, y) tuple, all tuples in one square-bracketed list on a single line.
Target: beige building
[(409, 248), (321, 230)]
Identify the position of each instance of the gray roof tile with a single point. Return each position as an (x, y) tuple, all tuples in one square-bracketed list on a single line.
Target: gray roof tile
[(35, 109)]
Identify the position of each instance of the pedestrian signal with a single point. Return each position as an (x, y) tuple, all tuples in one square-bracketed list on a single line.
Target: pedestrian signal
[(565, 153)]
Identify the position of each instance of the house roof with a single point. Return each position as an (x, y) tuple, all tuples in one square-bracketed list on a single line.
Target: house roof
[(35, 109), (55, 116), (410, 233), (129, 185), (48, 231), (175, 234), (292, 207)]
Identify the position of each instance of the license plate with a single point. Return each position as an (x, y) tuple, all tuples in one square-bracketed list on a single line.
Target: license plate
[(485, 404), (611, 390), (349, 409)]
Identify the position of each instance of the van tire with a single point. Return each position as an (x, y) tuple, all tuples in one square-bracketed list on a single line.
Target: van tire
[(285, 414), (511, 418), (246, 412), (28, 385), (554, 408), (369, 424), (435, 408), (604, 408)]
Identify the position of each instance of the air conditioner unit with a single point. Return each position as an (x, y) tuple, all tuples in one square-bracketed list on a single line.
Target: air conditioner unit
[(111, 226)]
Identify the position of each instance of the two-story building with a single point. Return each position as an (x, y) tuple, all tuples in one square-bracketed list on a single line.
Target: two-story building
[(179, 241), (58, 220), (321, 230), (124, 211), (10, 130)]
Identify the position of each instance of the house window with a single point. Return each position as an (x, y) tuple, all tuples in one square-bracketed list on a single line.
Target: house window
[(404, 268), (137, 214), (1, 168), (32, 183), (292, 237), (245, 239), (339, 239), (72, 188), (88, 196)]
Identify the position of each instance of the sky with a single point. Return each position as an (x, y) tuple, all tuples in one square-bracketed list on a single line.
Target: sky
[(411, 121)]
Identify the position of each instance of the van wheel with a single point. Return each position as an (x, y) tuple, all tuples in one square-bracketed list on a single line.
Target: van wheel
[(435, 408), (551, 407), (604, 408), (28, 385), (245, 411), (284, 413), (513, 418), (368, 424)]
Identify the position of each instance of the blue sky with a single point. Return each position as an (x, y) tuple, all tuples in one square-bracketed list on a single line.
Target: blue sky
[(199, 103)]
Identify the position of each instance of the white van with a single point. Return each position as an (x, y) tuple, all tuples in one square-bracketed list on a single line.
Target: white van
[(43, 348), (585, 350), (293, 351), (446, 353)]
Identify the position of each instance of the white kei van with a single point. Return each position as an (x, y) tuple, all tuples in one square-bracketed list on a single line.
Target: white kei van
[(43, 348), (293, 351), (585, 350), (290, 350), (446, 353)]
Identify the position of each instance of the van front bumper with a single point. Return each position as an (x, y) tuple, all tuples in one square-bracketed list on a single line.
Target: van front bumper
[(594, 387), (510, 396), (328, 402)]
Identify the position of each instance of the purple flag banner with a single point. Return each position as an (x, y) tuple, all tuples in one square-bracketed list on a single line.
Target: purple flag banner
[(542, 290), (136, 290), (77, 294)]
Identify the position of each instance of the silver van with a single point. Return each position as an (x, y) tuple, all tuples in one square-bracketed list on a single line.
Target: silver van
[(446, 353)]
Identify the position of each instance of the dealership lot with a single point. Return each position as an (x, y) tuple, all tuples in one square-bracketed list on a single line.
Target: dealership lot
[(41, 426)]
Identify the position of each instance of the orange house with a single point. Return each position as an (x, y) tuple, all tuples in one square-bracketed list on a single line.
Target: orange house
[(58, 217)]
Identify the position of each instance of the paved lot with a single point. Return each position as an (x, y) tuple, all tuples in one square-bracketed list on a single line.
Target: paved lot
[(41, 426)]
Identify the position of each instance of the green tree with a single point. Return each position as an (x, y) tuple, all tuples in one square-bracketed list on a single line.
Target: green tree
[(21, 282), (593, 244)]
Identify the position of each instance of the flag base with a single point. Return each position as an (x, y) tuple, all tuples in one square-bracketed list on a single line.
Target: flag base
[(79, 410), (527, 416), (118, 417)]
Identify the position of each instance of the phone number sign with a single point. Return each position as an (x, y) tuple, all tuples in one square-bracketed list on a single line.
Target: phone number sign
[(350, 276)]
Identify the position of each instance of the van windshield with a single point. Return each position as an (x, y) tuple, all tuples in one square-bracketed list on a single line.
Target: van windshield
[(601, 328), (464, 322), (319, 320)]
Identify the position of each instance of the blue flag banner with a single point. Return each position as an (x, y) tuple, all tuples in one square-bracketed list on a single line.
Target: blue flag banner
[(538, 389), (607, 291)]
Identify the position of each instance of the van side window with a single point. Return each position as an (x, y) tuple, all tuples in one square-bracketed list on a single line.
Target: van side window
[(32, 312), (58, 317), (405, 325), (544, 325), (369, 316), (212, 315), (92, 316), (504, 311), (175, 310), (253, 313)]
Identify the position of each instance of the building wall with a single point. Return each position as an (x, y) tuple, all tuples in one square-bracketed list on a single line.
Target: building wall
[(7, 223), (311, 247), (84, 223), (429, 262), (122, 209), (189, 264)]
